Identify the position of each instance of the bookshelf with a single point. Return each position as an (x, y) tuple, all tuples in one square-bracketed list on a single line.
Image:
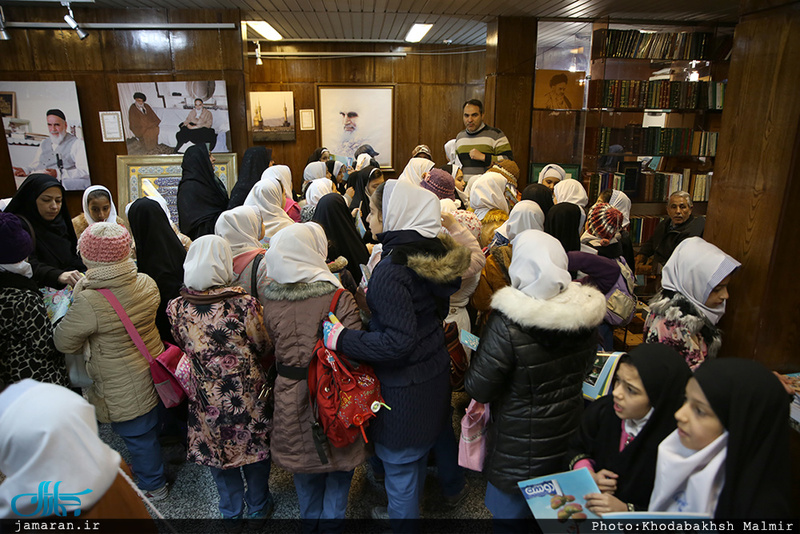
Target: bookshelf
[(657, 96)]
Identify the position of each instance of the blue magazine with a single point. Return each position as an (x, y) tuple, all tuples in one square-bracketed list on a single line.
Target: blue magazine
[(560, 496)]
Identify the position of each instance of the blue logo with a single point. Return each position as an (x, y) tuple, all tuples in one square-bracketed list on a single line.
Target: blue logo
[(549, 487), (48, 503)]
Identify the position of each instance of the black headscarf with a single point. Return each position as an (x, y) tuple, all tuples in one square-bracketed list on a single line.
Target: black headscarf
[(343, 239), (55, 243), (359, 180), (562, 222), (159, 254), (316, 155), (541, 194), (201, 195), (752, 405), (255, 161), (664, 374)]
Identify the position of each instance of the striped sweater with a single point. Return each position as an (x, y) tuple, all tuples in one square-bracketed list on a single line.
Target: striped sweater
[(488, 140)]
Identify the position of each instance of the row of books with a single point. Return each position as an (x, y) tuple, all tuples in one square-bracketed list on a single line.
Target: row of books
[(651, 186), (653, 141), (633, 44), (642, 228), (656, 94)]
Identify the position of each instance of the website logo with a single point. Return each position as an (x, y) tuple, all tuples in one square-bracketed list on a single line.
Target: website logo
[(48, 503)]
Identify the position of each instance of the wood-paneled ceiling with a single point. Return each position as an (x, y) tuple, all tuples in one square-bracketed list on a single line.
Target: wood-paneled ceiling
[(461, 21)]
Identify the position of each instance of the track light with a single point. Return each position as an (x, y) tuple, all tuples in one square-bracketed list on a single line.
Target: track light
[(258, 53), (68, 18), (4, 36)]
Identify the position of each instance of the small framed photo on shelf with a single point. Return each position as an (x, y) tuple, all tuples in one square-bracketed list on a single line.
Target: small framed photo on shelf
[(8, 104)]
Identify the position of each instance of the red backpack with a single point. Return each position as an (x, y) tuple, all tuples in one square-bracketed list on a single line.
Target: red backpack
[(345, 395)]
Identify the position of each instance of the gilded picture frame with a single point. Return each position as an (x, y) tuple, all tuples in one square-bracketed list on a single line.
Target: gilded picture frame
[(162, 172)]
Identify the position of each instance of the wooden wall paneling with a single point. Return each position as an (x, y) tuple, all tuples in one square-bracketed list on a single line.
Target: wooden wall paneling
[(272, 71), (475, 68), (207, 49), (441, 68), (516, 45), (476, 91), (553, 137), (491, 47), (17, 53), (752, 181), (148, 50), (514, 94), (407, 116), (442, 118), (490, 93), (404, 69)]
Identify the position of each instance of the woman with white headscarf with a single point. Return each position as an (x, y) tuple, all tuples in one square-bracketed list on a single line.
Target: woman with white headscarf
[(572, 192), (283, 175), (551, 175), (685, 313), (408, 296), (268, 198), (297, 297), (47, 432), (241, 227), (542, 331), (221, 330), (98, 206), (315, 191), (415, 170), (487, 199), (526, 215)]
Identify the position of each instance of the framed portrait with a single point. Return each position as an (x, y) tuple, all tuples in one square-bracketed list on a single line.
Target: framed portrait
[(272, 116), (353, 116), (44, 132), (558, 89), (8, 104), (142, 176), (169, 117)]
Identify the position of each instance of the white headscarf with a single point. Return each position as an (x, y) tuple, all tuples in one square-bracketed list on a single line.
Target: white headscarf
[(208, 263), (571, 191), (337, 166), (695, 268), (267, 196), (112, 213), (362, 161), (281, 174), (297, 254), (686, 480), (22, 268), (315, 170), (409, 207), (488, 193), (525, 215), (556, 171), (47, 432), (240, 227), (621, 201), (414, 170), (539, 265), (318, 189), (452, 155)]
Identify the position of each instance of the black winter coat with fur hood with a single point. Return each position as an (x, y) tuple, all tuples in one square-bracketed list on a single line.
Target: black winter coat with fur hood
[(530, 367)]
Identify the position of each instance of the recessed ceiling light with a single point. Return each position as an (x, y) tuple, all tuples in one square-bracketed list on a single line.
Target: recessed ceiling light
[(264, 30), (417, 32)]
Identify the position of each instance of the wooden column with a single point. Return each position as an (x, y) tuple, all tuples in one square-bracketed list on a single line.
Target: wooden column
[(510, 63), (753, 212)]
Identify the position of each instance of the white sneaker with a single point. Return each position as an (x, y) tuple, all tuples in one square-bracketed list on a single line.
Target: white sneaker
[(157, 494)]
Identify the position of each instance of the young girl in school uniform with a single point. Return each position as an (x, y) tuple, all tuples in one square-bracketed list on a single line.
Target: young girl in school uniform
[(729, 456), (619, 433)]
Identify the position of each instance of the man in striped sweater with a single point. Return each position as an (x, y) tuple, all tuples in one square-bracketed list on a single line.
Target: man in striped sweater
[(479, 145)]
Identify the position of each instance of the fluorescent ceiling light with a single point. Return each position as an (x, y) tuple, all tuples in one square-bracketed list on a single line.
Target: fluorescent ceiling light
[(417, 32), (264, 30)]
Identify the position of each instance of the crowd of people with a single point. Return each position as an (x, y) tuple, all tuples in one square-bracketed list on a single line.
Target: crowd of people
[(244, 284)]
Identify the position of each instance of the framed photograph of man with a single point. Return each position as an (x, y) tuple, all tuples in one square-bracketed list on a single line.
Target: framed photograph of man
[(558, 89), (353, 116), (44, 132), (147, 176), (272, 116), (169, 117)]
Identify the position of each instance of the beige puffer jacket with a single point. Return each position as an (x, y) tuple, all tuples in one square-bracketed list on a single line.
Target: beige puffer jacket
[(123, 388)]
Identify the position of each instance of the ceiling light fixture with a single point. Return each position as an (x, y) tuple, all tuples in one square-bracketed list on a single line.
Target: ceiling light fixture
[(258, 53), (417, 32), (4, 36), (70, 20), (264, 30)]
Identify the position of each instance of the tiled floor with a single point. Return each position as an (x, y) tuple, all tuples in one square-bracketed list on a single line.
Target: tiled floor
[(194, 495)]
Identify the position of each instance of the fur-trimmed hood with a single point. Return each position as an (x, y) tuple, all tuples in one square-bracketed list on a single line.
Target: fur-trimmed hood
[(675, 307), (297, 291), (576, 308), (437, 268)]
